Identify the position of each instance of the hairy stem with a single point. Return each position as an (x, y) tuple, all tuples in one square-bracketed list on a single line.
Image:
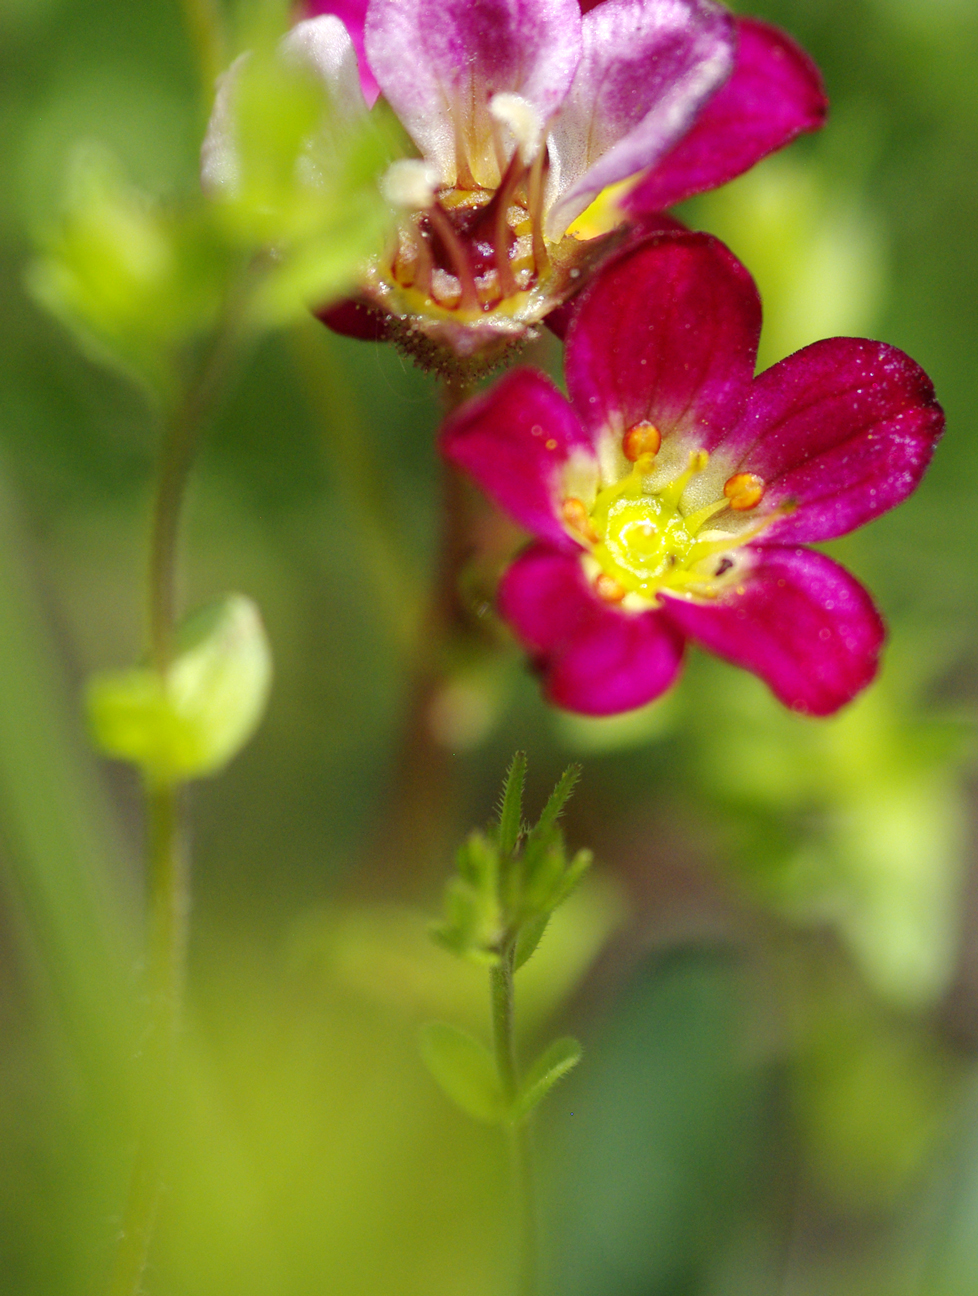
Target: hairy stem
[(501, 988), (417, 829), (168, 858), (169, 912)]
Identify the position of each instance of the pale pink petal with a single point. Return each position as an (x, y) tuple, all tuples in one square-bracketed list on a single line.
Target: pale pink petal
[(647, 68)]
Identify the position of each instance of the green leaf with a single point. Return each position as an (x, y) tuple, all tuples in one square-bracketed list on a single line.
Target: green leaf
[(193, 719), (511, 805), (552, 1065), (531, 933), (464, 1069)]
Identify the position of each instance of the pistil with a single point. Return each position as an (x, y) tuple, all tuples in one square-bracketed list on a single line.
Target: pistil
[(643, 542)]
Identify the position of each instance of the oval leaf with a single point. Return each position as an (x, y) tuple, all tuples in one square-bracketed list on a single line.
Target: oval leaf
[(464, 1069), (552, 1064)]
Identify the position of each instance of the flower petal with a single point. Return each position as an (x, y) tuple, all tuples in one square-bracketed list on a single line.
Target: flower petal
[(325, 45), (667, 332), (646, 70), (516, 442), (595, 658), (799, 621), (439, 62), (844, 428), (321, 44), (774, 94), (353, 15)]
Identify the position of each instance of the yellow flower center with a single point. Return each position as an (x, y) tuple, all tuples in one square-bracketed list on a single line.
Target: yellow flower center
[(645, 541)]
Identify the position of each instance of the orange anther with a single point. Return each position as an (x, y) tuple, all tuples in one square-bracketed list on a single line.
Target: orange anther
[(576, 516), (642, 439), (744, 490), (607, 588)]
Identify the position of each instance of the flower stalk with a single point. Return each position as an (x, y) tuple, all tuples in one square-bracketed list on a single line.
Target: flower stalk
[(502, 994), (168, 860), (509, 881), (417, 821)]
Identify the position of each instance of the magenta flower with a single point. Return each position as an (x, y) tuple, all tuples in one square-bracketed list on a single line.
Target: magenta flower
[(671, 496), (541, 131)]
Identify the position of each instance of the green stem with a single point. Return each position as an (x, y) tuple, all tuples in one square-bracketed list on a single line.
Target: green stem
[(168, 858), (501, 987), (206, 31), (169, 912)]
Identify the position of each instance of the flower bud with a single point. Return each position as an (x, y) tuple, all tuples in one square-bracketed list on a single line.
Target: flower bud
[(195, 717)]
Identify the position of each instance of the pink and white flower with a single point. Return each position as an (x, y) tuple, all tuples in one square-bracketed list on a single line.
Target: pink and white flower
[(541, 131)]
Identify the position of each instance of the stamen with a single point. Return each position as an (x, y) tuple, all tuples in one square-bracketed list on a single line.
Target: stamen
[(534, 202), (608, 589), (698, 459), (705, 548), (457, 254), (522, 120), (640, 440), (744, 490), (412, 263), (695, 521), (409, 183), (576, 516), (514, 173)]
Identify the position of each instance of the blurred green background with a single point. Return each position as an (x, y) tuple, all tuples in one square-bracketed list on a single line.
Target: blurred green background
[(774, 973)]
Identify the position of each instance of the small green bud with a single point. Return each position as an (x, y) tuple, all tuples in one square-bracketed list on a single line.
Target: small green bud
[(473, 926), (511, 878), (131, 279), (292, 171), (192, 720)]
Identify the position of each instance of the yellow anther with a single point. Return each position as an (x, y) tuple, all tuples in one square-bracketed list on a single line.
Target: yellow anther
[(607, 588), (744, 490), (576, 516), (641, 440)]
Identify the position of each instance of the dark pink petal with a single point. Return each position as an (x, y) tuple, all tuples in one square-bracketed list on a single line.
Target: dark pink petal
[(647, 68), (668, 332), (843, 428), (775, 94), (439, 62), (351, 318), (799, 621), (353, 15), (515, 442), (594, 657), (559, 319)]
